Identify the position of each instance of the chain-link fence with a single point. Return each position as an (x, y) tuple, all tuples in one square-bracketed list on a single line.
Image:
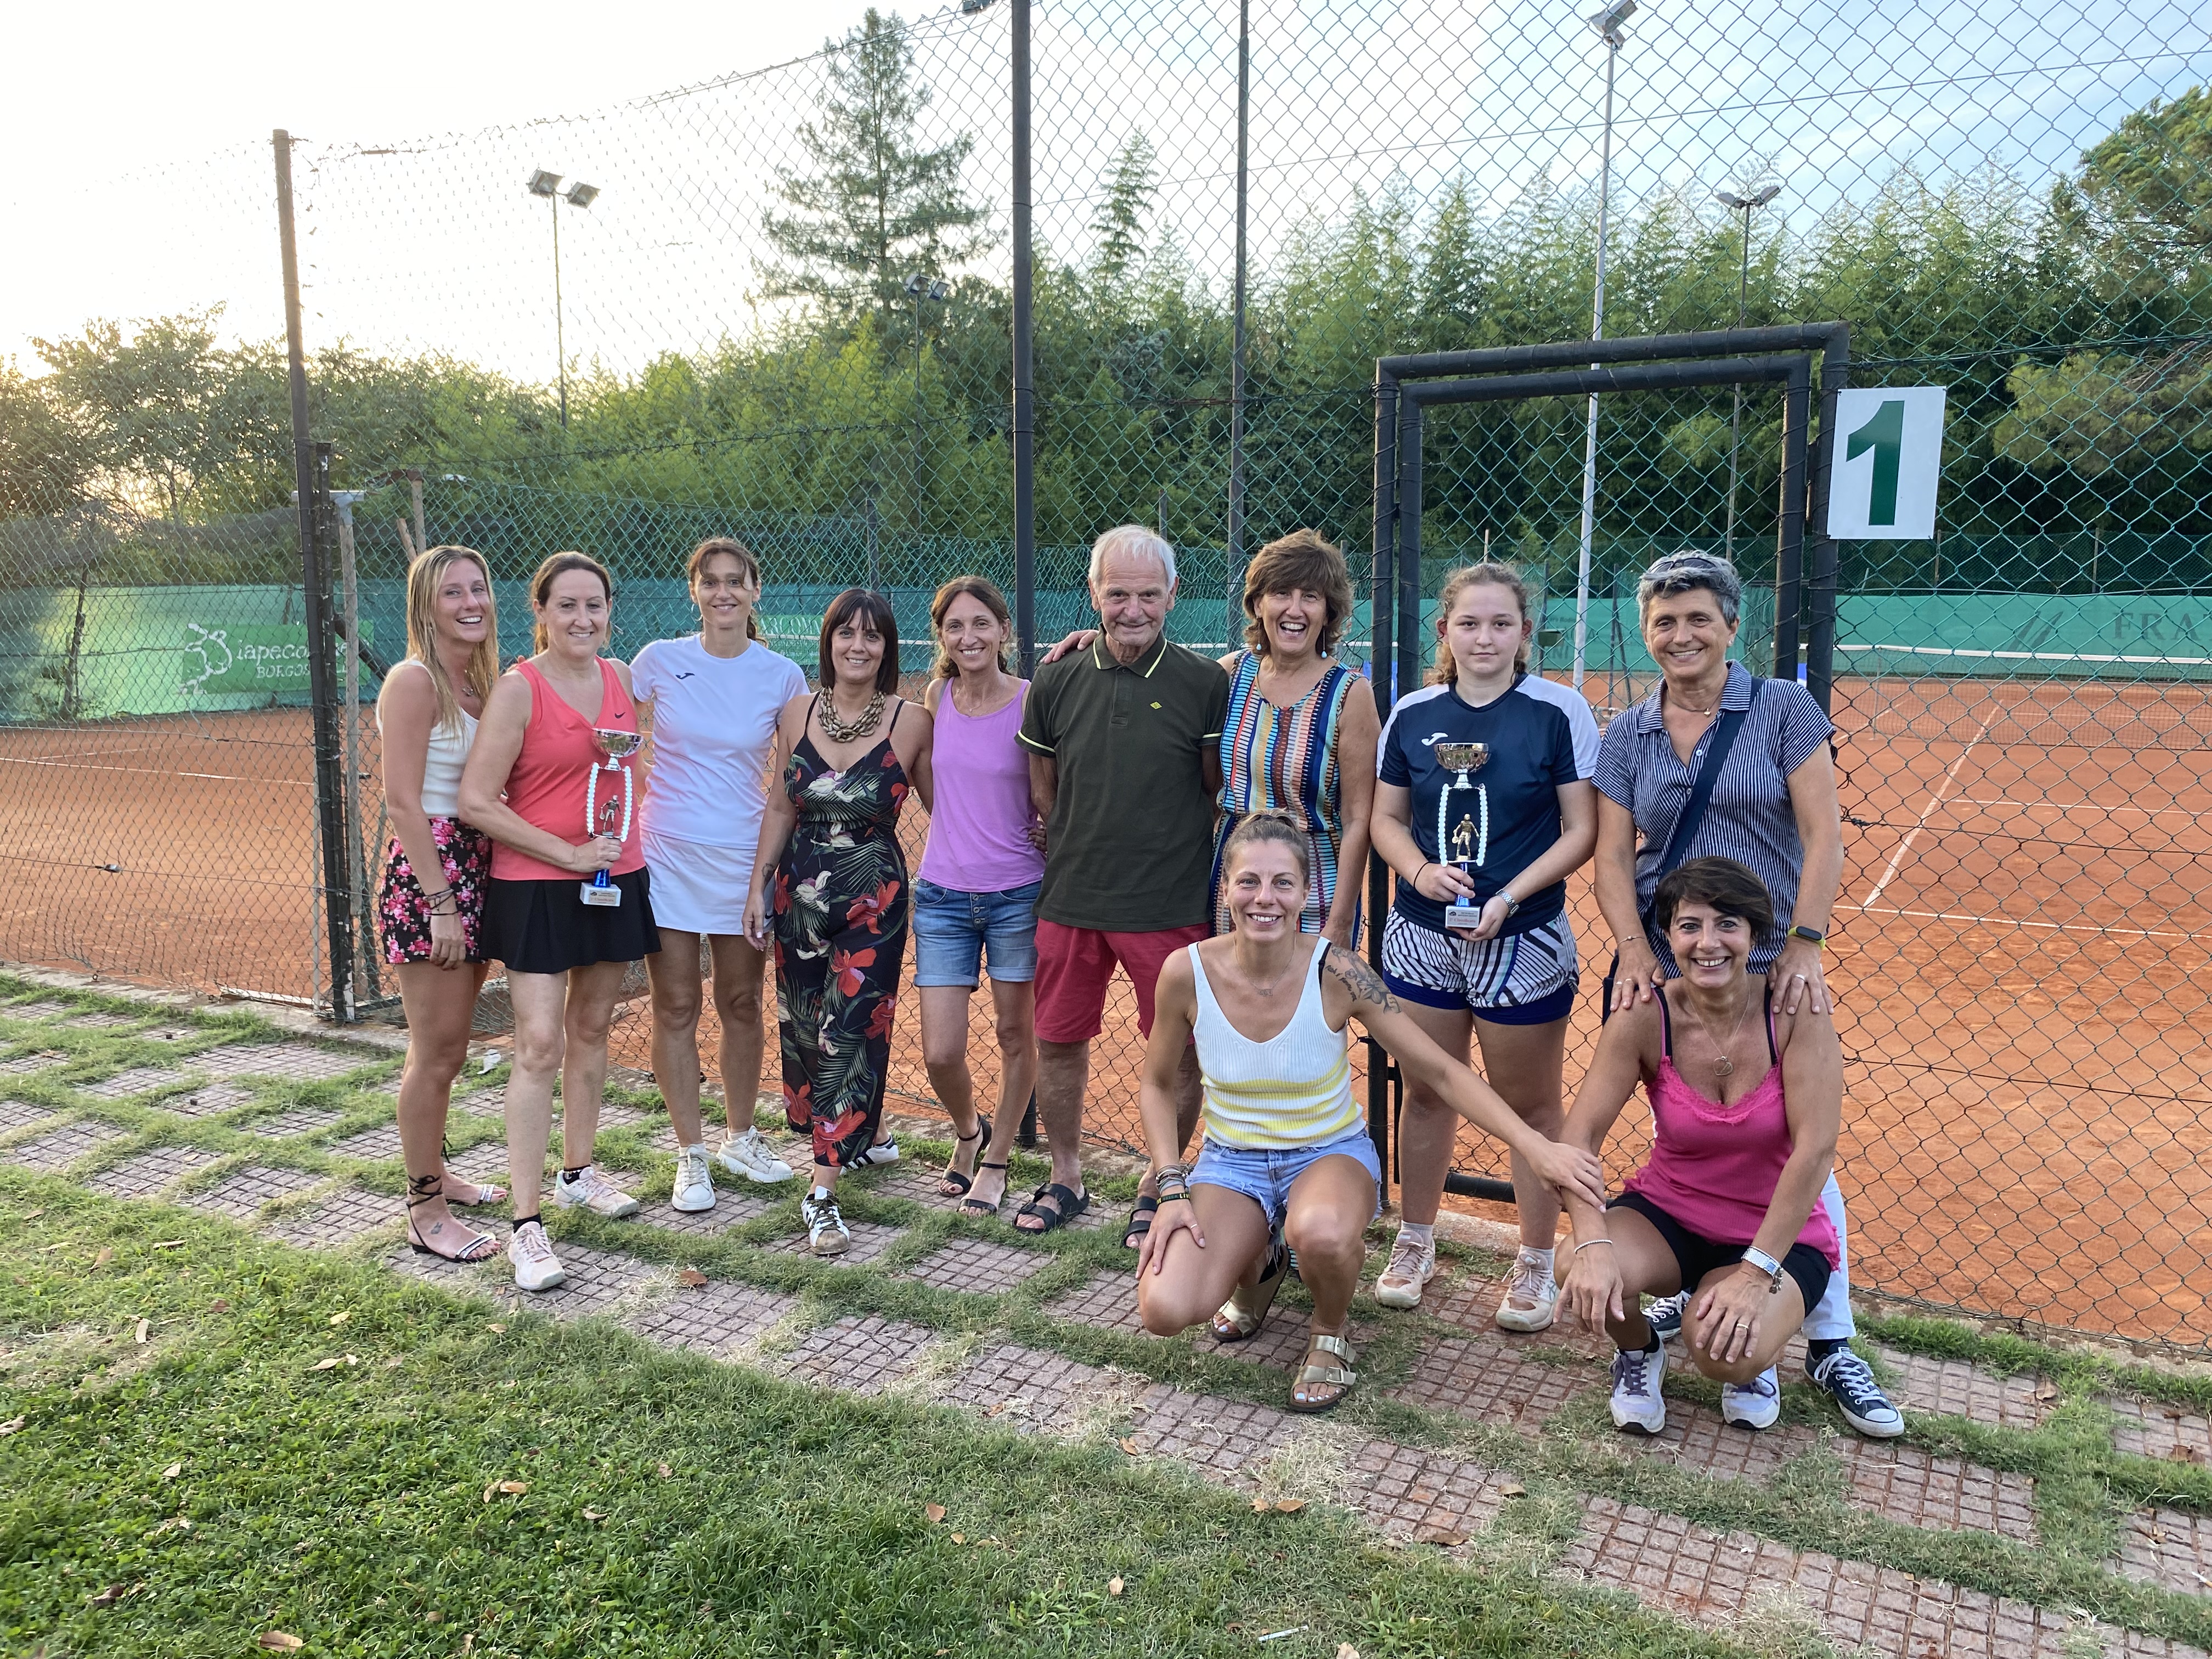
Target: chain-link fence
[(780, 308)]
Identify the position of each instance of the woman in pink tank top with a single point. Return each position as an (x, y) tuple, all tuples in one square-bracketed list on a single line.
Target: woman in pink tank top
[(1745, 1105), (975, 896), (548, 781)]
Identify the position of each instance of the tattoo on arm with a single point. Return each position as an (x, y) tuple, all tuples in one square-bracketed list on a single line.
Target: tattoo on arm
[(1362, 981)]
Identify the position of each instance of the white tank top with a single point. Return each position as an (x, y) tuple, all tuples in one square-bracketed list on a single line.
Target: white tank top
[(441, 765), (1294, 1090)]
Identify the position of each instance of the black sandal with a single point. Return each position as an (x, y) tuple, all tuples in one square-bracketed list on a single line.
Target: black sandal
[(953, 1183), (975, 1207), (1140, 1221), (1070, 1205), (421, 1189)]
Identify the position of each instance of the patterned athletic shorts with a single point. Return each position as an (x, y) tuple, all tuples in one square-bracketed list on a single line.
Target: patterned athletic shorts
[(1519, 979)]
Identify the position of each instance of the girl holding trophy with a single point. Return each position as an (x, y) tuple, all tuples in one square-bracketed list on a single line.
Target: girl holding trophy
[(1483, 806), (552, 761)]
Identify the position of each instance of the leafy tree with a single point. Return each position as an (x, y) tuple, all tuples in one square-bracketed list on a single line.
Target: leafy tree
[(45, 463), (878, 202)]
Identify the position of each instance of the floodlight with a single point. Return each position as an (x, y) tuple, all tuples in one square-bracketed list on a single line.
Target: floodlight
[(582, 195), (969, 7), (1608, 21), (1731, 200), (1766, 195), (938, 290), (542, 182), (915, 284)]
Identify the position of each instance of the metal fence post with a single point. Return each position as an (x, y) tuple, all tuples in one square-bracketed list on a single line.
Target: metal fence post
[(1022, 388), (1234, 575)]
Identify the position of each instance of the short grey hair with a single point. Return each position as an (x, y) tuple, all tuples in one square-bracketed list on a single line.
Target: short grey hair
[(1687, 571), (1133, 538)]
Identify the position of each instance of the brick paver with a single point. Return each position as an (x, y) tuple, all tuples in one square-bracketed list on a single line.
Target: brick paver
[(731, 1210), (1906, 1484), (38, 1060), (59, 1148), (1424, 1496), (45, 1009), (1220, 1439), (979, 1266), (870, 1239), (1958, 1389), (2148, 1428), (597, 1280), (859, 1354), (721, 1319), (2165, 1546), (1107, 1303), (207, 1101), (1697, 1439), (1485, 1380), (301, 1121), (1709, 1577), (378, 1144), (136, 1080), (337, 1221), (101, 1019), (22, 1115), (144, 1174), (1028, 1390), (293, 1062), (242, 1194)]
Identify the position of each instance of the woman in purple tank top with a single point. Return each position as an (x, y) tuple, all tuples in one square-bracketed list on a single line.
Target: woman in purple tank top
[(975, 896), (1745, 1104)]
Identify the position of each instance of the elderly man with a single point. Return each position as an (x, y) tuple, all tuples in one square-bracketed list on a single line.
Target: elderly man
[(1124, 744)]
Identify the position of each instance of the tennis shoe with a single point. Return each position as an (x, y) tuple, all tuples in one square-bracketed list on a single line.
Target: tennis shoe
[(1532, 1296), (1850, 1381), (1665, 1315), (1637, 1375), (826, 1231), (531, 1252), (751, 1156), (1754, 1405), (1412, 1265), (694, 1186), (593, 1191)]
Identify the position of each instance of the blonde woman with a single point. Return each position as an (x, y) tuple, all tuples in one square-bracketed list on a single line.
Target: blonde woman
[(433, 928)]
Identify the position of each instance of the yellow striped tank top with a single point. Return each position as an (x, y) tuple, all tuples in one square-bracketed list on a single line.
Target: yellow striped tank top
[(1294, 1090)]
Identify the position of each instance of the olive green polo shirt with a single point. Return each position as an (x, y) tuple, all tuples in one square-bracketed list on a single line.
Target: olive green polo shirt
[(1130, 841)]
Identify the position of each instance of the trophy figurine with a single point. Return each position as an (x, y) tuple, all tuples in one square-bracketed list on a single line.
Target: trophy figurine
[(602, 818), (1466, 843)]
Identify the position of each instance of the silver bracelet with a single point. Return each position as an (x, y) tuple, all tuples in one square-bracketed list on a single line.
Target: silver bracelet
[(1590, 1244)]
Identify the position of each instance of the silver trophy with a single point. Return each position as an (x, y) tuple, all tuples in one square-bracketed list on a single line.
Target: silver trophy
[(603, 819), (1467, 842)]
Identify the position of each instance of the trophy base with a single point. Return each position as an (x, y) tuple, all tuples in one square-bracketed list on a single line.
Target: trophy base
[(607, 898), (1463, 915)]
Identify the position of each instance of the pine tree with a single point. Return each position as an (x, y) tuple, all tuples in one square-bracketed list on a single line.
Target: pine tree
[(1120, 224), (877, 203)]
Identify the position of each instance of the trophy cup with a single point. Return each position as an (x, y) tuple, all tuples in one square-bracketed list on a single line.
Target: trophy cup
[(1466, 843), (602, 819)]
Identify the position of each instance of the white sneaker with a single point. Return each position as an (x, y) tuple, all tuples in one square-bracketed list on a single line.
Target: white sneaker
[(695, 1187), (883, 1151), (594, 1192), (1412, 1265), (1637, 1375), (1754, 1405), (1531, 1296), (751, 1156), (536, 1266), (826, 1231)]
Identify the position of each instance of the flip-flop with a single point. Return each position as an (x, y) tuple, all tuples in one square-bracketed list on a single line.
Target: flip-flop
[(952, 1183), (976, 1207), (1140, 1221), (1072, 1205)]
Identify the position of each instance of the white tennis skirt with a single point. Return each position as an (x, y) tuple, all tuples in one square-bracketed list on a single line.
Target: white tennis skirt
[(704, 887)]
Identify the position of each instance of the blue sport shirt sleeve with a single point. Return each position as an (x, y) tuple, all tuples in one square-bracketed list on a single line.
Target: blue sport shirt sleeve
[(1582, 734), (1802, 730), (1615, 776), (1036, 731), (1393, 768)]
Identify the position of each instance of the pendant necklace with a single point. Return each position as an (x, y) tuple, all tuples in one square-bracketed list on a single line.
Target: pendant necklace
[(1722, 1065)]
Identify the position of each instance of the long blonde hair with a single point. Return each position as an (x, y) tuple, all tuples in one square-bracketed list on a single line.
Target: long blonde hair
[(1457, 582), (424, 577)]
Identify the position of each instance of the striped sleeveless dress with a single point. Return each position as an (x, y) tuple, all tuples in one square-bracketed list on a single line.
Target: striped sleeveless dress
[(1284, 760)]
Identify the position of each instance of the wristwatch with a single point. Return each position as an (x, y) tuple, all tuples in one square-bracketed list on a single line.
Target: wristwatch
[(1512, 904), (1755, 1257), (1811, 936)]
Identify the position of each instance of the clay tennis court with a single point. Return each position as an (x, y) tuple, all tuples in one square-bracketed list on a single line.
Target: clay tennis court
[(2016, 951)]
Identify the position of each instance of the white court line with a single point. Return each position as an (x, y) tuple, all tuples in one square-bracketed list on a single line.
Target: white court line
[(2022, 656), (154, 772), (2013, 921), (2077, 806), (1897, 859)]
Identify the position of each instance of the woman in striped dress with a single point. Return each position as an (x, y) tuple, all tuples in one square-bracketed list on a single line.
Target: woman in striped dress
[(1302, 728)]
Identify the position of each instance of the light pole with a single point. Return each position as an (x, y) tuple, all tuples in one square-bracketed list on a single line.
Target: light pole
[(1608, 24), (1747, 205), (580, 195), (920, 287)]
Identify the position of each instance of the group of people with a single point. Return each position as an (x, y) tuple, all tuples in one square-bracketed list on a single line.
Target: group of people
[(1205, 827)]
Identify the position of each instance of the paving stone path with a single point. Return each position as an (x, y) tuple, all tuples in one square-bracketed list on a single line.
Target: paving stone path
[(295, 1139)]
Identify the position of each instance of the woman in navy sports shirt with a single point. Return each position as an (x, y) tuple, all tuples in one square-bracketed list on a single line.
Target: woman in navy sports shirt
[(1524, 816)]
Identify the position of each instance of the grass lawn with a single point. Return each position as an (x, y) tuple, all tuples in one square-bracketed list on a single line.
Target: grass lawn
[(184, 1474)]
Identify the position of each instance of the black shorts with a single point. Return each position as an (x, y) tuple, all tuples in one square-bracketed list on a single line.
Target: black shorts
[(1696, 1255), (545, 927)]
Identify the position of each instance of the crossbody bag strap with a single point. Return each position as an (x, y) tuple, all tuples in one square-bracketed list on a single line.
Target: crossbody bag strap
[(1701, 791)]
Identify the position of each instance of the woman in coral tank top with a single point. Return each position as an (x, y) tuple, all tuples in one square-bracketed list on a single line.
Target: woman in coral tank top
[(538, 783), (1745, 1104)]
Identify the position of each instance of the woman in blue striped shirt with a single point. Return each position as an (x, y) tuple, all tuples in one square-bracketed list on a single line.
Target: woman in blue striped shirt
[(1772, 807)]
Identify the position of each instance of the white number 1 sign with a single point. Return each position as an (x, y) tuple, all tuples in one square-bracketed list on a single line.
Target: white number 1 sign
[(1888, 461)]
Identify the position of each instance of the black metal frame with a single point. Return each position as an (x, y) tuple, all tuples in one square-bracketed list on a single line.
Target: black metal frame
[(1405, 388)]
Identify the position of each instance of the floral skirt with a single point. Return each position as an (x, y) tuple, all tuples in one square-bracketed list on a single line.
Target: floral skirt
[(403, 907)]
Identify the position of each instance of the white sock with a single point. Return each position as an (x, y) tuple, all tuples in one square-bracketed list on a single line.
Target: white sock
[(1539, 1258), (820, 1192), (1421, 1232)]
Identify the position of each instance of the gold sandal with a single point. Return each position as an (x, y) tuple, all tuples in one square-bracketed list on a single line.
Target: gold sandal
[(1342, 1378), (1239, 1319)]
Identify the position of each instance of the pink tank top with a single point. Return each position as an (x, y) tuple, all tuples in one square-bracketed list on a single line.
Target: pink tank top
[(1713, 1168), (977, 828), (547, 785)]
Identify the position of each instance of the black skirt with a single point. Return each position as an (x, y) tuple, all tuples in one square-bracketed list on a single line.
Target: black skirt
[(545, 927)]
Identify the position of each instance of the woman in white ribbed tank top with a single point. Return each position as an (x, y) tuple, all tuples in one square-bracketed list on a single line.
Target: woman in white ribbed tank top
[(1286, 1162)]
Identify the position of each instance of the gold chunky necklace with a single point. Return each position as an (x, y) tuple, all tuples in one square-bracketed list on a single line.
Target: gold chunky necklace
[(866, 722)]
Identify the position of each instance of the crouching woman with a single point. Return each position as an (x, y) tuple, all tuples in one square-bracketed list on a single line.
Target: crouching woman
[(1287, 1164), (1745, 1102)]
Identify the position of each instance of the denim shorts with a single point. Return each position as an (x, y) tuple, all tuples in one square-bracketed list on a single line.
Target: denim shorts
[(1264, 1173), (953, 930)]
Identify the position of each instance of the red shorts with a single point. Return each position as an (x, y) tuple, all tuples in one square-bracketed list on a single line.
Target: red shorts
[(1075, 965)]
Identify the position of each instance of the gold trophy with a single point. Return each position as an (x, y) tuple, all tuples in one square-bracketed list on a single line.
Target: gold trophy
[(1466, 843), (603, 819)]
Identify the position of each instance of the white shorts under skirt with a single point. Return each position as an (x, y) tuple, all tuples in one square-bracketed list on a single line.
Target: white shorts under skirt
[(696, 888)]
